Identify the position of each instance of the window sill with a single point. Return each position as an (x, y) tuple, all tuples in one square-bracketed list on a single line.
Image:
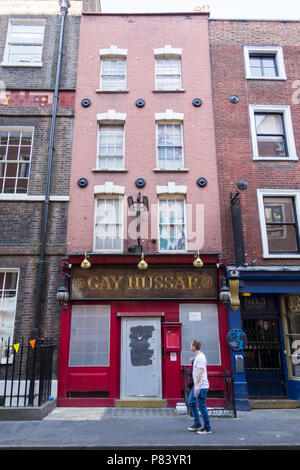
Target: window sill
[(276, 159), (111, 91), (162, 170), (109, 170), (283, 256), (28, 198), (177, 90), (8, 64), (283, 78)]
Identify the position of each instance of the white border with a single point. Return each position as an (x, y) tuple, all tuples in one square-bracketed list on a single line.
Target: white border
[(277, 50), (263, 230), (288, 126)]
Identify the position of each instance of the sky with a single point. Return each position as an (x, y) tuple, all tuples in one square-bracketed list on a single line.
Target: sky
[(243, 9)]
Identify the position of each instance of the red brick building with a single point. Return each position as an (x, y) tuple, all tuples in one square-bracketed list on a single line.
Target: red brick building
[(143, 180), (255, 77)]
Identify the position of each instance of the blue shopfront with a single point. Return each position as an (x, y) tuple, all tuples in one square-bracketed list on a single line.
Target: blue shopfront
[(265, 305)]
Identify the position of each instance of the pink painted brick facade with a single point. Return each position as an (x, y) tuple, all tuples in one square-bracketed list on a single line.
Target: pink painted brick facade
[(140, 35)]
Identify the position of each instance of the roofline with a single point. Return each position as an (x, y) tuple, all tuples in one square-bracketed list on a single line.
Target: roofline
[(255, 20), (178, 13)]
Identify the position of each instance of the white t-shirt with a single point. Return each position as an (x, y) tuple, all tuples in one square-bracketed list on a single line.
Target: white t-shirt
[(200, 363)]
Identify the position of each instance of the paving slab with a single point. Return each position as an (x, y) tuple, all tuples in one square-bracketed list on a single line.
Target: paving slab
[(126, 429)]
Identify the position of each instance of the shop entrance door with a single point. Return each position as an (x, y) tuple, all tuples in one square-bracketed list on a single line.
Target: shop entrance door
[(263, 358), (141, 358)]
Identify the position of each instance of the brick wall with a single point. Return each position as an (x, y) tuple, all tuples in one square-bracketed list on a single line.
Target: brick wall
[(44, 77), (27, 101), (232, 127)]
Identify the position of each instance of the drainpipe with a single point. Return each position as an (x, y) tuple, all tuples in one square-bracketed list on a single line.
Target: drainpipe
[(64, 5)]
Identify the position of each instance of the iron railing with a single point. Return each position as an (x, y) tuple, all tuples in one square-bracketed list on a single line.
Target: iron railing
[(16, 380), (218, 383)]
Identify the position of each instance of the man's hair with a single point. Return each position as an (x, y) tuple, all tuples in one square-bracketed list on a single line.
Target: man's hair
[(197, 344)]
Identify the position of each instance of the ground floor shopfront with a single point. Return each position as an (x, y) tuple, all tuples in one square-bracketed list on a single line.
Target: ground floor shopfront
[(266, 307), (126, 333)]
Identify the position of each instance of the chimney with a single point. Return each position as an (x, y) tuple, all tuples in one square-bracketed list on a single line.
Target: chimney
[(91, 6)]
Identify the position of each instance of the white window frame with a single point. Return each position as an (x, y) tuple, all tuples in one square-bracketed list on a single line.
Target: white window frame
[(261, 193), (13, 21), (172, 123), (165, 88), (170, 196), (120, 126), (265, 50), (168, 53), (3, 331), (112, 53), (169, 117), (285, 111), (18, 129), (105, 196)]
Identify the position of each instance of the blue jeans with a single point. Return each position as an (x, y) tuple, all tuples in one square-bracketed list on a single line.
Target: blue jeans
[(199, 402)]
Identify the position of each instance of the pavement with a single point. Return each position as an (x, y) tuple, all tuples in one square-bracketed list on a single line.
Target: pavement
[(116, 430)]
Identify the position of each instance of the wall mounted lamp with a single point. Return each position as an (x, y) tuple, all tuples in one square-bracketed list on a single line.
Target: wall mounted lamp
[(85, 263), (197, 263), (225, 295), (62, 294), (142, 263)]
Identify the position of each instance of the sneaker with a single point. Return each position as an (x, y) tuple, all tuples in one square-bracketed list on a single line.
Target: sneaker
[(204, 431), (194, 428)]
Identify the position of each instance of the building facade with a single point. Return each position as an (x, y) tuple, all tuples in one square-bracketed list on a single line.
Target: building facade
[(256, 109), (35, 161), (144, 206)]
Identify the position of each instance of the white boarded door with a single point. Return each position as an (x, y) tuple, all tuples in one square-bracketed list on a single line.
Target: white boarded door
[(141, 358)]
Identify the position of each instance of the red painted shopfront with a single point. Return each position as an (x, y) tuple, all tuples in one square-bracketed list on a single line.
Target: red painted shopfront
[(126, 333)]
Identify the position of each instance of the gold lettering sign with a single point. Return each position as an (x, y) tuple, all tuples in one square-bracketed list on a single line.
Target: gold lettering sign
[(156, 283)]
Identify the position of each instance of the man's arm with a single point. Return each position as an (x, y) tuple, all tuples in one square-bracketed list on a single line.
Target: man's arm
[(198, 378)]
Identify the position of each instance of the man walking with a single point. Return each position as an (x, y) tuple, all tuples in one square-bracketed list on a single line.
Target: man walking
[(199, 391)]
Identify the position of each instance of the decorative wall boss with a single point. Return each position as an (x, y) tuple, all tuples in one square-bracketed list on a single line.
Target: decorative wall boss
[(82, 182), (234, 99), (202, 182), (197, 102), (86, 102), (140, 103)]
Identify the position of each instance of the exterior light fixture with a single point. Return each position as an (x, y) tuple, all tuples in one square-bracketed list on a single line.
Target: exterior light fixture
[(85, 263), (62, 295), (198, 263), (142, 264), (225, 295)]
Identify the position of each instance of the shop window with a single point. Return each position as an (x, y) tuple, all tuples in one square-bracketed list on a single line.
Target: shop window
[(15, 159), (8, 303), (200, 321), (292, 334), (90, 336)]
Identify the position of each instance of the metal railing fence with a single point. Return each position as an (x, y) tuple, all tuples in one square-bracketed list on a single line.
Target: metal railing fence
[(16, 366), (218, 383)]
